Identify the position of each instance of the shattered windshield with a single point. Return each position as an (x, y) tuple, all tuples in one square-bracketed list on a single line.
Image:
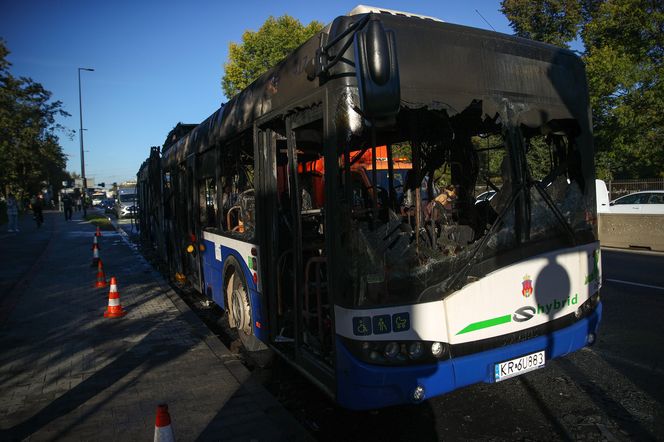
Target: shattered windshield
[(455, 198)]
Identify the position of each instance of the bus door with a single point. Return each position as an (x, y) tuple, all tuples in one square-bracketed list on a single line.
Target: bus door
[(192, 234), (293, 200), (302, 178)]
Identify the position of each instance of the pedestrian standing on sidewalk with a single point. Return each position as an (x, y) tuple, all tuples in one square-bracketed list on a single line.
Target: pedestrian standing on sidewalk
[(37, 209), (67, 204), (12, 213)]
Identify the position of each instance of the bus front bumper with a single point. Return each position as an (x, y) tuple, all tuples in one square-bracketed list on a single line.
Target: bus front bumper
[(362, 386)]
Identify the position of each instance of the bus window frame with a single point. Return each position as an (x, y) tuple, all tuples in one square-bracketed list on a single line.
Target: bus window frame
[(230, 149)]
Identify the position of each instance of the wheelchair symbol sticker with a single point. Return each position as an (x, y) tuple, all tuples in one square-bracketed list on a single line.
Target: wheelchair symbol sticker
[(381, 324), (362, 326)]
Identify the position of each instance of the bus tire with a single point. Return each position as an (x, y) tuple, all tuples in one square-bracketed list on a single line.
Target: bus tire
[(239, 307)]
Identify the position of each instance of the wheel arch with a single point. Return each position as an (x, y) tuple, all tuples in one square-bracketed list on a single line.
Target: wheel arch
[(232, 267)]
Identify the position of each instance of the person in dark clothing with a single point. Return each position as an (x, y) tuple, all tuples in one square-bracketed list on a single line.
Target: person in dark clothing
[(68, 205), (37, 209)]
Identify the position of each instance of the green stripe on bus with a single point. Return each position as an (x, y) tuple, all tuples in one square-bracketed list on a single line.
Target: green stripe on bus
[(486, 324)]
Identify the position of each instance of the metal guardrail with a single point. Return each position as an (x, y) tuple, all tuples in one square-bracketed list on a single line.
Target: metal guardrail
[(632, 231)]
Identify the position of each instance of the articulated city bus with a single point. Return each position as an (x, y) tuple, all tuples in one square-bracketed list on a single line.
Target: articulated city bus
[(331, 208)]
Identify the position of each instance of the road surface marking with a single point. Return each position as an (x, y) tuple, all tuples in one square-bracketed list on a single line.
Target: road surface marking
[(635, 283)]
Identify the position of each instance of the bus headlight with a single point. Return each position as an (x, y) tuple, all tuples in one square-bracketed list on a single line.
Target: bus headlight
[(398, 352), (437, 349), (392, 350), (415, 350), (587, 307), (375, 356)]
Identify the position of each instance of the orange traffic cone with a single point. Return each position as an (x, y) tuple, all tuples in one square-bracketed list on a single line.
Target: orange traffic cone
[(101, 277), (114, 309), (95, 255), (162, 426), (98, 232), (95, 243)]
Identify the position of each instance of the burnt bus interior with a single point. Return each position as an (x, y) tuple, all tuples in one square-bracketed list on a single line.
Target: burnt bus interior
[(407, 246), (367, 196)]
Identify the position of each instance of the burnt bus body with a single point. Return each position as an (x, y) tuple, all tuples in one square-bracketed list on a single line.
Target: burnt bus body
[(392, 292)]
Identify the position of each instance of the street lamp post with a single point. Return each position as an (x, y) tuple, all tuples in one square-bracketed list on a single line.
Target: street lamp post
[(80, 111)]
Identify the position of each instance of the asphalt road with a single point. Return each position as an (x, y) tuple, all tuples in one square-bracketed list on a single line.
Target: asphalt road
[(632, 334)]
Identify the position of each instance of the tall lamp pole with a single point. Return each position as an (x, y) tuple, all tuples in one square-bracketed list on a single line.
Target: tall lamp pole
[(80, 111)]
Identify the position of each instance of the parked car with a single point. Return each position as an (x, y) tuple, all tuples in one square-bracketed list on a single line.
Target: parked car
[(126, 205), (128, 211), (648, 203), (107, 204)]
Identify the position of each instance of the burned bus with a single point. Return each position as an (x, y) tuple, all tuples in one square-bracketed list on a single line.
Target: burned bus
[(330, 208)]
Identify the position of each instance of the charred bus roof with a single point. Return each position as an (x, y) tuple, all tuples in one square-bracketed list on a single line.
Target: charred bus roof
[(442, 66)]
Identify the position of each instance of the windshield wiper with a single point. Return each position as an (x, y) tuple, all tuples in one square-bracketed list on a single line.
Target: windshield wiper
[(463, 273)]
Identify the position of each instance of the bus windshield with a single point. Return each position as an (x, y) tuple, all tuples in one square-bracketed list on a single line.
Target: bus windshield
[(490, 194)]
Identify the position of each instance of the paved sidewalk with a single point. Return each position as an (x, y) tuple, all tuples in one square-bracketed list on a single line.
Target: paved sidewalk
[(68, 373)]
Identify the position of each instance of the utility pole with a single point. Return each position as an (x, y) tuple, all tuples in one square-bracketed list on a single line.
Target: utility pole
[(80, 111)]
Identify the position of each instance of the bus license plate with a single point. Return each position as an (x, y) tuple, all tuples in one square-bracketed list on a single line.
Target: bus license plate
[(517, 366)]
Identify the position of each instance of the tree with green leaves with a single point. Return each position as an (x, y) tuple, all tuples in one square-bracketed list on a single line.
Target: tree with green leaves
[(263, 49), (624, 51), (30, 153), (552, 21)]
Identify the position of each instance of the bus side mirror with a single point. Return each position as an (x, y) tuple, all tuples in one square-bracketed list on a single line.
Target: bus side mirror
[(377, 71)]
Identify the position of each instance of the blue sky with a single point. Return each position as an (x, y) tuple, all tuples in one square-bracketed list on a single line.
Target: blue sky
[(156, 63)]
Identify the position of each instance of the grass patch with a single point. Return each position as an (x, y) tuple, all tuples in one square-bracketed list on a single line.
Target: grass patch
[(103, 222)]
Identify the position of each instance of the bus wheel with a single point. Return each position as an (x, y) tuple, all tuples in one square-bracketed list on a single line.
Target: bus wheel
[(240, 309), (239, 312)]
